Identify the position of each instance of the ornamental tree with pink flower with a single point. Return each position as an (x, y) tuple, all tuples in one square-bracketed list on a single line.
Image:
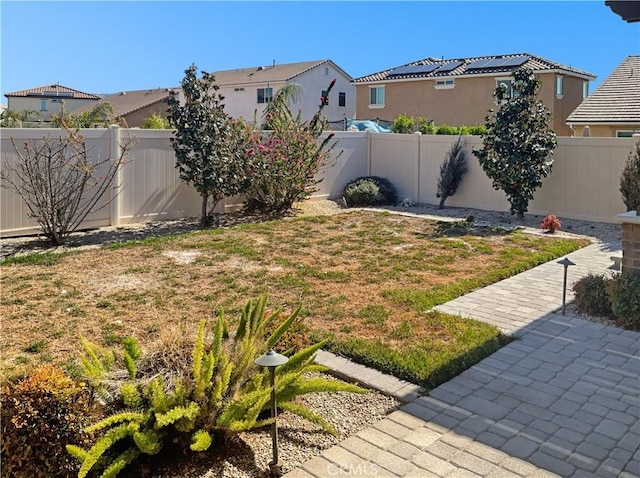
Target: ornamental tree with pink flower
[(286, 159)]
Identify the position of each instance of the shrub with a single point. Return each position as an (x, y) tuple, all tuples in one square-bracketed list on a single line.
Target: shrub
[(630, 180), (369, 191), (403, 124), (624, 294), (591, 295), (221, 390), (155, 121), (59, 183), (550, 223), (427, 127), (41, 413), (447, 129), (285, 163), (452, 170)]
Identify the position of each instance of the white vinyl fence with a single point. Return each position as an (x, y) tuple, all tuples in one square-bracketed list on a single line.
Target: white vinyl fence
[(584, 183)]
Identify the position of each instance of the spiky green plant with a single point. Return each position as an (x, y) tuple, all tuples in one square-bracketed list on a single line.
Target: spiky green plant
[(226, 391)]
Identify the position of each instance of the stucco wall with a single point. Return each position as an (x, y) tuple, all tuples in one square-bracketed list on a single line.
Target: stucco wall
[(467, 103), (24, 103), (244, 104), (605, 131)]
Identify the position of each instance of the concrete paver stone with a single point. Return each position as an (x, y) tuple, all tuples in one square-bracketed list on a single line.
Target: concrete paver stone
[(562, 401)]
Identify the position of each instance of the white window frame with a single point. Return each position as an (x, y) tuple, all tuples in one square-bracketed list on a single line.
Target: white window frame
[(265, 97), (377, 105), (509, 83), (445, 84), (585, 89), (625, 131), (559, 86), (342, 98)]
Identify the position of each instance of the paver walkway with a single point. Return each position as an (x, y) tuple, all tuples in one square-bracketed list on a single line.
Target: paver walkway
[(562, 400)]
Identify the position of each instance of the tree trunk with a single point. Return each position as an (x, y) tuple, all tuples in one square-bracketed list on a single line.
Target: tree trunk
[(442, 200), (203, 209)]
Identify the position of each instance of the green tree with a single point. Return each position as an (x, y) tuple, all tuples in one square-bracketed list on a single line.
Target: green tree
[(630, 180), (518, 142), (155, 121), (207, 143)]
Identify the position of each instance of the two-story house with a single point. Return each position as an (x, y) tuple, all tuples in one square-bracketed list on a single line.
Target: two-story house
[(49, 100), (460, 91), (247, 91)]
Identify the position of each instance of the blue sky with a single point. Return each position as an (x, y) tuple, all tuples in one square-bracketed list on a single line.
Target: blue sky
[(105, 47)]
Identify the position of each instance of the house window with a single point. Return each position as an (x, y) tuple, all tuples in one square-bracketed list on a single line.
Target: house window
[(376, 96), (43, 105), (585, 89), (559, 87), (265, 95), (444, 84), (507, 83), (342, 99), (325, 98), (326, 71), (625, 134)]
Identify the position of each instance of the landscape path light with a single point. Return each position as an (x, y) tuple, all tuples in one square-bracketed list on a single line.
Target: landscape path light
[(271, 360), (566, 263)]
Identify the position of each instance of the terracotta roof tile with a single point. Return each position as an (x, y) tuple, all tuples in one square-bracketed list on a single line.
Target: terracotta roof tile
[(616, 100), (54, 91), (536, 63)]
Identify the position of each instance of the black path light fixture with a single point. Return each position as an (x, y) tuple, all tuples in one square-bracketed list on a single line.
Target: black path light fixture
[(566, 263), (271, 360)]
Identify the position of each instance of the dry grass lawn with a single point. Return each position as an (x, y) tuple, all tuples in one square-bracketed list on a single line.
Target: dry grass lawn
[(368, 275)]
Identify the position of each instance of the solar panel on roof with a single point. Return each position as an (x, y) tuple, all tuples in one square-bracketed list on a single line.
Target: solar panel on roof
[(401, 70), (476, 65), (495, 63), (425, 68), (450, 66), (412, 70), (516, 61)]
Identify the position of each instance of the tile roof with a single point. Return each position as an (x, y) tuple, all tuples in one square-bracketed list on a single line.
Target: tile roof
[(126, 102), (536, 63), (54, 91), (271, 73), (616, 100)]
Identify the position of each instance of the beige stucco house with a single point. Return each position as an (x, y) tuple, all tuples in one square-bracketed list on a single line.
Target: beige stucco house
[(459, 91), (48, 100), (613, 110), (134, 106)]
